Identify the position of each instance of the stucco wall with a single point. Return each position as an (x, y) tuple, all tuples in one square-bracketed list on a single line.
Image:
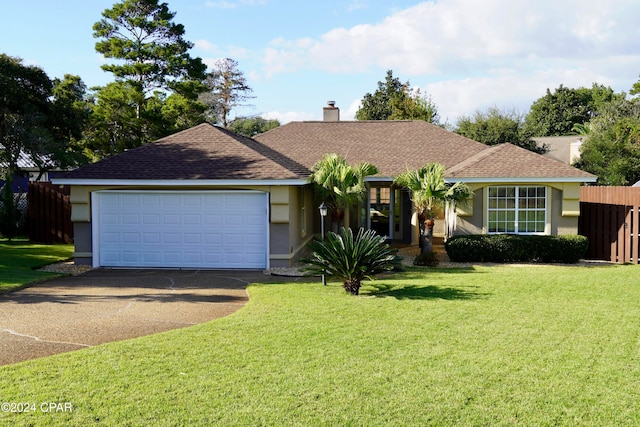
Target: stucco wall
[(562, 213)]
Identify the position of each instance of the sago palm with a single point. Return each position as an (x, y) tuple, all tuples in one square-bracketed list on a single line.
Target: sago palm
[(350, 258)]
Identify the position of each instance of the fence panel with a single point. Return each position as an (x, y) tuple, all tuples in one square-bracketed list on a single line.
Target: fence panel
[(49, 214), (610, 218)]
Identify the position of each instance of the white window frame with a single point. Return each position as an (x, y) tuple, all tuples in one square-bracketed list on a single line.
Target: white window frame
[(517, 210)]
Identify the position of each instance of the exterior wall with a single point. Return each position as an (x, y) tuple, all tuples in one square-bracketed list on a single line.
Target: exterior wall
[(286, 240), (83, 243), (561, 224), (563, 209), (471, 220)]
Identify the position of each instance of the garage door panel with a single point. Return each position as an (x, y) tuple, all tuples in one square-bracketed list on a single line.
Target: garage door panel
[(200, 230), (151, 219), (130, 238), (151, 238)]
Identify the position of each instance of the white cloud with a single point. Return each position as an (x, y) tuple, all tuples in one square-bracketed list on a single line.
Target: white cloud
[(289, 116), (471, 55), (463, 37), (206, 45)]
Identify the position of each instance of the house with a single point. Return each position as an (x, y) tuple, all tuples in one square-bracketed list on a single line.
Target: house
[(29, 171), (208, 198), (563, 148)]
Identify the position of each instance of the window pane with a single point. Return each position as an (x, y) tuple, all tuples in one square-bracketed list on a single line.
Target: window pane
[(516, 209)]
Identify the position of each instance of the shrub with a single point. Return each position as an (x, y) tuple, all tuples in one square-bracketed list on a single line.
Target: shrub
[(427, 259), (350, 259), (567, 249)]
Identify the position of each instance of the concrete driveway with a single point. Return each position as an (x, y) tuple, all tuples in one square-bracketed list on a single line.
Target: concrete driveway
[(107, 305)]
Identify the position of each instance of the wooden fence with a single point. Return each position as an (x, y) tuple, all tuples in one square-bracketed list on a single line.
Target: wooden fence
[(49, 213), (610, 218)]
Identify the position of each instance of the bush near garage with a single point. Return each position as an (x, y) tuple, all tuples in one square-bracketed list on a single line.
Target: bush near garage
[(502, 248)]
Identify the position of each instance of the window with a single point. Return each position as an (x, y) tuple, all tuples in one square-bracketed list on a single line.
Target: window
[(521, 210)]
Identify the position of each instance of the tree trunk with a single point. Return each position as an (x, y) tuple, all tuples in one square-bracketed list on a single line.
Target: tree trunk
[(352, 286), (337, 217), (426, 236)]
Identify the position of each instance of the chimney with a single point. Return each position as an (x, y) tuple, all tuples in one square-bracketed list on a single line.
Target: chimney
[(331, 113)]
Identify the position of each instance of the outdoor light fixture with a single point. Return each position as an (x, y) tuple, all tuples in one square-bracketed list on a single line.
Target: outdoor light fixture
[(323, 213)]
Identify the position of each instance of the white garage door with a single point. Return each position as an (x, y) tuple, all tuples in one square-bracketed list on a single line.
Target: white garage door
[(199, 229)]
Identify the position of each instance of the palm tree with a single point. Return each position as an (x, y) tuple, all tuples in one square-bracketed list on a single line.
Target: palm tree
[(340, 185), (430, 193)]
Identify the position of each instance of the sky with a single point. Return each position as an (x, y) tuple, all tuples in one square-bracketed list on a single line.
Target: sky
[(297, 55)]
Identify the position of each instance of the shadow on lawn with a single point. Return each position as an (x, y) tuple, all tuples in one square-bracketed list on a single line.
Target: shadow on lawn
[(424, 292), (386, 288)]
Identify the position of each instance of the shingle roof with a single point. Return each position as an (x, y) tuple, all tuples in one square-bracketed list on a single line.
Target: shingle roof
[(510, 161), (207, 152), (393, 146), (201, 152)]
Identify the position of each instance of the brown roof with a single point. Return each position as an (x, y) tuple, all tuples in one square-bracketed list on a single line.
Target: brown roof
[(201, 152), (289, 152), (392, 146), (510, 161)]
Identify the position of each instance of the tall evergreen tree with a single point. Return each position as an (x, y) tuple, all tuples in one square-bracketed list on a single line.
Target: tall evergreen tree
[(149, 46), (152, 63)]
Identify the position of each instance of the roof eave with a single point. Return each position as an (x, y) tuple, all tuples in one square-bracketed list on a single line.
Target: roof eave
[(178, 182), (522, 179)]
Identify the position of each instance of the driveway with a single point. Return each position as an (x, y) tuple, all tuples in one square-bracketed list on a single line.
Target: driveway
[(105, 305)]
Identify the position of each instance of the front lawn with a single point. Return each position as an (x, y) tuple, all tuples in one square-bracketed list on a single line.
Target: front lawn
[(19, 260), (504, 345)]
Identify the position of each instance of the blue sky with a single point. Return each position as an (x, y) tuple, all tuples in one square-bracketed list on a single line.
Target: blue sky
[(467, 55)]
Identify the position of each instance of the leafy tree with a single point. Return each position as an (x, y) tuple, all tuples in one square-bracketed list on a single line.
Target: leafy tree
[(24, 108), (38, 117), (555, 114), (340, 185), (377, 106), (114, 125), (8, 210), (71, 113), (350, 259), (415, 106), (494, 127), (178, 113), (612, 149), (635, 89), (252, 126), (227, 89), (430, 194), (394, 100)]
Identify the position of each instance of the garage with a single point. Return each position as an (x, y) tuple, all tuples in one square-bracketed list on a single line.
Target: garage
[(180, 229)]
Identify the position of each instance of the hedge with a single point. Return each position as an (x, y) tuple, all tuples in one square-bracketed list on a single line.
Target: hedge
[(567, 249)]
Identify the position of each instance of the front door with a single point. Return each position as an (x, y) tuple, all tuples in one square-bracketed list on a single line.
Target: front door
[(388, 212)]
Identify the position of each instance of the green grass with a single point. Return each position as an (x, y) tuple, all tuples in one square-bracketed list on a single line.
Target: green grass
[(504, 345), (19, 260)]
